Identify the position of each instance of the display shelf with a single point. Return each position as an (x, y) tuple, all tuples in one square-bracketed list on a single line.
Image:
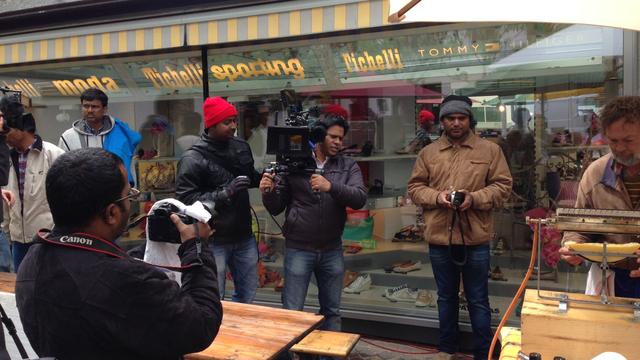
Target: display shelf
[(570, 149), (384, 157)]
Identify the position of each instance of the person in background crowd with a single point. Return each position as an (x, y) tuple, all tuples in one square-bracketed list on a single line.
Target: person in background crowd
[(97, 129), (31, 158), (219, 169), (459, 229), (7, 196), (80, 296), (422, 139), (315, 217), (613, 182)]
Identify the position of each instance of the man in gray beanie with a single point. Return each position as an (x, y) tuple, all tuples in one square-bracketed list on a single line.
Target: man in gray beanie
[(458, 180)]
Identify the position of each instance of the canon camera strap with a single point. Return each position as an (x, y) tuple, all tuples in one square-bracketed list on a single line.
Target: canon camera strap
[(92, 243)]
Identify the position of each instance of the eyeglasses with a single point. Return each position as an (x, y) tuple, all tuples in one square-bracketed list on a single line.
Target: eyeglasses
[(132, 195)]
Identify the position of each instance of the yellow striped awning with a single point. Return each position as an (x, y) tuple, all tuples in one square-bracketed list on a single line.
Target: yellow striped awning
[(106, 43), (301, 19), (291, 18)]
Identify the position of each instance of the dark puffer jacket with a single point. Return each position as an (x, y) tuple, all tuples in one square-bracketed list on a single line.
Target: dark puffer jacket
[(315, 221), (203, 173), (80, 304)]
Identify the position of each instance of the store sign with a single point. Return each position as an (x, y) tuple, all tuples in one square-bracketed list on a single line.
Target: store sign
[(268, 68), (386, 59), (77, 86), (474, 48), (23, 85), (188, 76)]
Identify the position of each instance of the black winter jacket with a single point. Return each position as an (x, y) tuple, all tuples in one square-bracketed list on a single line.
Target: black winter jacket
[(315, 221), (80, 304), (203, 174)]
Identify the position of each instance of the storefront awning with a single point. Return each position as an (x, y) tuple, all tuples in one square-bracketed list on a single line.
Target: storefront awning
[(43, 47), (614, 13), (269, 21)]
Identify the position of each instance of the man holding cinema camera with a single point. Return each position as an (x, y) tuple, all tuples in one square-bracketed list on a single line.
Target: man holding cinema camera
[(80, 296), (458, 180)]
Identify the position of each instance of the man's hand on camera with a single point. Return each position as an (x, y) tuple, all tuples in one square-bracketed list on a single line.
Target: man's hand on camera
[(468, 201), (267, 183), (236, 185), (571, 259), (188, 232), (443, 199), (320, 183)]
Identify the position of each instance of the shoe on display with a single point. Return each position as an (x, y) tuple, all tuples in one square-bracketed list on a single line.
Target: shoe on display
[(425, 298), (499, 248), (389, 268), (349, 276), (390, 291), (280, 285), (497, 275), (361, 283), (404, 294), (462, 297), (408, 267)]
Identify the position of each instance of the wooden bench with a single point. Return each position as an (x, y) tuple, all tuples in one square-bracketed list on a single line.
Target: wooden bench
[(326, 343)]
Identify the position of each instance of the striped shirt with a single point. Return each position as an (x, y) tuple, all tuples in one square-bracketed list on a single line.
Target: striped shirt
[(22, 171), (631, 178)]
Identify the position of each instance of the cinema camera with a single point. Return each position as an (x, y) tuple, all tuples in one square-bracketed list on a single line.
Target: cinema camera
[(13, 110), (291, 143)]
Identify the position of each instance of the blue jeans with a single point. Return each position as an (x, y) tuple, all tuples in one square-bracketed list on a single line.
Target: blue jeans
[(19, 250), (476, 287), (328, 268), (5, 253), (242, 260)]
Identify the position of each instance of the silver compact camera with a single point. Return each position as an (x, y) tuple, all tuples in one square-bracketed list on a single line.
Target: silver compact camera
[(457, 198)]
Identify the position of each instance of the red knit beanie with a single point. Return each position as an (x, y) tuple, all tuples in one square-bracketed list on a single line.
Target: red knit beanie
[(217, 110), (335, 109), (425, 116)]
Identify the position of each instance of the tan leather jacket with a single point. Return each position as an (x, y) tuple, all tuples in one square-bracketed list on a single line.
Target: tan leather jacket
[(22, 221), (478, 166), (601, 188)]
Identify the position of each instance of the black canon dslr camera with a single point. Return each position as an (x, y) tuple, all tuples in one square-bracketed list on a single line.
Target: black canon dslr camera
[(162, 229), (457, 198)]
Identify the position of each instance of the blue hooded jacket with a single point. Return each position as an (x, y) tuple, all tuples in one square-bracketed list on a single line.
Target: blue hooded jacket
[(122, 141)]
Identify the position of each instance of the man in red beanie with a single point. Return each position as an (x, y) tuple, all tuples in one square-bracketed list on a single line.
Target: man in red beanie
[(219, 168), (422, 139)]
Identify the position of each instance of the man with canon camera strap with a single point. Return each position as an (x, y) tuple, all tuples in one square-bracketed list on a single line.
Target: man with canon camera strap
[(459, 180), (219, 168), (80, 296), (315, 207)]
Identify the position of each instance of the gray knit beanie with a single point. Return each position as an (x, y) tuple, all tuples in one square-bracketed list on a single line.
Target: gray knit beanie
[(454, 104)]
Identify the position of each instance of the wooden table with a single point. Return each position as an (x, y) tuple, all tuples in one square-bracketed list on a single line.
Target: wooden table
[(8, 282), (248, 331), (257, 332)]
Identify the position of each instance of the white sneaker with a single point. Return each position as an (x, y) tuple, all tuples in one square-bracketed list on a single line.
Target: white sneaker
[(361, 283), (389, 291), (403, 295)]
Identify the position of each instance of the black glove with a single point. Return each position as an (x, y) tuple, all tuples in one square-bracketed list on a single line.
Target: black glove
[(235, 186)]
